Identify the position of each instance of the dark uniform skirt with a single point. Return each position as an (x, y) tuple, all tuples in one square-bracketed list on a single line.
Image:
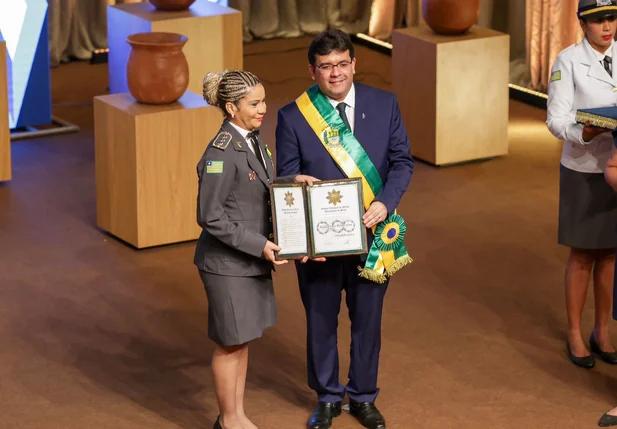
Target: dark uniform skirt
[(239, 308), (587, 210)]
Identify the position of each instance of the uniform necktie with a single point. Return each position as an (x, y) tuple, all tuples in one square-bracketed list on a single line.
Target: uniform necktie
[(341, 111), (607, 62), (255, 143)]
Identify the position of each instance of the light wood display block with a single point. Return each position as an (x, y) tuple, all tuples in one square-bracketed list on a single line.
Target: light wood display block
[(214, 38), (146, 166), (5, 133), (453, 92)]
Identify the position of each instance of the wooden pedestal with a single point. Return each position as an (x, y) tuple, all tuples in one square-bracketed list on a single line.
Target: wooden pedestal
[(453, 92), (214, 38), (146, 160), (5, 134)]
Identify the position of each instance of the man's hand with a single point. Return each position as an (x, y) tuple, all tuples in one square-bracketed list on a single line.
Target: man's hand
[(269, 253), (376, 213), (303, 178)]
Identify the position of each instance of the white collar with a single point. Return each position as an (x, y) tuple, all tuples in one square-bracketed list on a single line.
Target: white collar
[(241, 130), (350, 99), (598, 55)]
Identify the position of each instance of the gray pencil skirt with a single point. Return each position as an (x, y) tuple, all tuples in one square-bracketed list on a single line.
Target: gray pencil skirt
[(587, 211), (239, 308)]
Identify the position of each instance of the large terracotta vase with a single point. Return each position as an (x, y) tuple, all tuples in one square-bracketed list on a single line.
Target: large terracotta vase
[(172, 4), (157, 71), (450, 16)]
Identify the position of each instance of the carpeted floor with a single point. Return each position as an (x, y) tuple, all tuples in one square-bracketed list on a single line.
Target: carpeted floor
[(94, 334)]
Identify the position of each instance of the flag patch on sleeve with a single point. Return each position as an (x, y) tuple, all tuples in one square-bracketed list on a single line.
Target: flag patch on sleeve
[(214, 167), (556, 75)]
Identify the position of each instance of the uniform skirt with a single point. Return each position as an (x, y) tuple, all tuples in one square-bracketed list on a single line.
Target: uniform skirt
[(239, 308), (587, 210)]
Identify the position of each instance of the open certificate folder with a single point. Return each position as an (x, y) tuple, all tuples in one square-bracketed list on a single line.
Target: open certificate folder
[(320, 220)]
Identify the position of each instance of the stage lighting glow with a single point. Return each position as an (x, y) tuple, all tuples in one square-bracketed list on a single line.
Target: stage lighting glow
[(23, 27)]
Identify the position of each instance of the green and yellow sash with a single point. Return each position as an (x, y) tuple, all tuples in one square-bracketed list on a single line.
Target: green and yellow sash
[(387, 253)]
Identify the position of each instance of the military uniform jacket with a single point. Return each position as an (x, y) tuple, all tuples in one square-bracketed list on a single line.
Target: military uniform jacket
[(233, 207)]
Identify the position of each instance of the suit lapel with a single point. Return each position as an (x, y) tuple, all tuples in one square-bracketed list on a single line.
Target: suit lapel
[(359, 114), (596, 70), (241, 145)]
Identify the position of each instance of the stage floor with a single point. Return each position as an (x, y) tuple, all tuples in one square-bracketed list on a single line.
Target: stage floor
[(95, 334)]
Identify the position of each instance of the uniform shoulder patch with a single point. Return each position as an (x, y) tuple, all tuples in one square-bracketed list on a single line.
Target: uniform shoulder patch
[(222, 140), (556, 75), (214, 167)]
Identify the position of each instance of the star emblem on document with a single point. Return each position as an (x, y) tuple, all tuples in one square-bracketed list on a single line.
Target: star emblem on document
[(334, 197)]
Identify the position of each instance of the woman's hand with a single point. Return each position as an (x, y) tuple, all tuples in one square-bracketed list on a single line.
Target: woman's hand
[(306, 258), (589, 132), (303, 178), (269, 253)]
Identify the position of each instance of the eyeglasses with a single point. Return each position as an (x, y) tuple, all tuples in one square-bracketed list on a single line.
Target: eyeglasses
[(327, 68)]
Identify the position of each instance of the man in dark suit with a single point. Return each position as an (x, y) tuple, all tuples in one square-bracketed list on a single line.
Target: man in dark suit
[(372, 121)]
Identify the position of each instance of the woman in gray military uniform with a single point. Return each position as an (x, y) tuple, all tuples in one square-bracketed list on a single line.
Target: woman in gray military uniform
[(234, 254)]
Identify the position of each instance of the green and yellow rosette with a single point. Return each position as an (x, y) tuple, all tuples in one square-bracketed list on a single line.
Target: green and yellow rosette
[(387, 253)]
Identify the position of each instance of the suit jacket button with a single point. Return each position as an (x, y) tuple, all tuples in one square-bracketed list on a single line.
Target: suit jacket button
[(270, 235), (269, 202)]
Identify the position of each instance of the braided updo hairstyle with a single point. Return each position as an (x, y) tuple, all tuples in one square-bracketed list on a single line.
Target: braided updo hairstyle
[(227, 86)]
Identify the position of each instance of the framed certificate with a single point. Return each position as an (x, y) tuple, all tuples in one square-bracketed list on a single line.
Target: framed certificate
[(323, 220)]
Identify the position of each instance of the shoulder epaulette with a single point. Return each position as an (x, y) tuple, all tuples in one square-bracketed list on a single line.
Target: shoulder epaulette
[(222, 140)]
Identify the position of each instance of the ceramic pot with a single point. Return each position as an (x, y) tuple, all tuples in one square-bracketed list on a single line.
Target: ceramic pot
[(450, 16), (172, 4), (157, 71)]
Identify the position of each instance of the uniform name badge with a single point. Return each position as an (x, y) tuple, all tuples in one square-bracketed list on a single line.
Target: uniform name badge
[(320, 220)]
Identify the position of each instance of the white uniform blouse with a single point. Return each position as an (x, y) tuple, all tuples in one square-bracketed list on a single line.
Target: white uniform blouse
[(579, 81)]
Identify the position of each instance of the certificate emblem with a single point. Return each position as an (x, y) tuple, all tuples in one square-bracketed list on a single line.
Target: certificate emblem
[(289, 199), (334, 197)]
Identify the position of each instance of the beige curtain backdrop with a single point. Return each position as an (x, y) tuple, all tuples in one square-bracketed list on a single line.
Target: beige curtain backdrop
[(77, 27), (552, 25), (267, 19), (539, 29)]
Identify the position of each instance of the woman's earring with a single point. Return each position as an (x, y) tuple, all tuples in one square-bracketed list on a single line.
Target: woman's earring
[(232, 115)]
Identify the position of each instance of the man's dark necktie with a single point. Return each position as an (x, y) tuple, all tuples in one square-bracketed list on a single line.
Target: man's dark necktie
[(341, 111), (255, 143), (607, 63)]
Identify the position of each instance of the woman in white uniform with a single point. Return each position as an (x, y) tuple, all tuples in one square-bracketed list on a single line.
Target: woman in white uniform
[(582, 77)]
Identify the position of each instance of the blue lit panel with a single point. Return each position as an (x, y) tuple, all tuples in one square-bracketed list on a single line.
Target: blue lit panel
[(23, 26)]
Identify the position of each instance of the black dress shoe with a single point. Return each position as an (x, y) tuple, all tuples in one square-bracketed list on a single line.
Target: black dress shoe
[(607, 420), (217, 423), (586, 362), (323, 415), (367, 414), (608, 357)]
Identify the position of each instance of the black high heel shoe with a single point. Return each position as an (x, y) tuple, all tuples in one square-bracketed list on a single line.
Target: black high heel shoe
[(586, 362), (608, 357), (217, 423), (607, 420)]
